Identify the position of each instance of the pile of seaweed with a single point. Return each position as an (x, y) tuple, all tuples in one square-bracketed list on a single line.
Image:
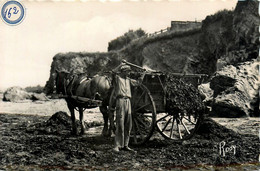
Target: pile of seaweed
[(182, 96), (211, 130), (59, 123)]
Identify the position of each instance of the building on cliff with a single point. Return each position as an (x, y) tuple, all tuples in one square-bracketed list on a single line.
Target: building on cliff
[(185, 25)]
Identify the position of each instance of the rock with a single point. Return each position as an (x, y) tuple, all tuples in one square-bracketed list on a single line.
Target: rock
[(236, 90), (229, 37), (42, 97), (220, 83), (16, 94), (207, 92)]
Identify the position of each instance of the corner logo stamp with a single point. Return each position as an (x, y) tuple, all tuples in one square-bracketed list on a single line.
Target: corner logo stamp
[(12, 12)]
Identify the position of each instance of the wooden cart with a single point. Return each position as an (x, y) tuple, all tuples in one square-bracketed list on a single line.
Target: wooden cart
[(149, 110)]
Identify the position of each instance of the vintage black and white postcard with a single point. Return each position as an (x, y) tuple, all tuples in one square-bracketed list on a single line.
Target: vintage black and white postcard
[(129, 85)]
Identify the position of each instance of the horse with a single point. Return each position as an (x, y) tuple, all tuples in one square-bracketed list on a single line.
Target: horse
[(96, 88)]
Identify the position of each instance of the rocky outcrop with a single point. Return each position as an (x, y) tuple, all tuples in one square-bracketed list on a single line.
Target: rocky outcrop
[(236, 90), (88, 63), (170, 52), (229, 37), (207, 93), (16, 94)]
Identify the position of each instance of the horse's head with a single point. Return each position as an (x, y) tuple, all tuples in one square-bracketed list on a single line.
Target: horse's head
[(61, 81)]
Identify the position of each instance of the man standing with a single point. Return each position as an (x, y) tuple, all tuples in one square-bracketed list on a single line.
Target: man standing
[(122, 93)]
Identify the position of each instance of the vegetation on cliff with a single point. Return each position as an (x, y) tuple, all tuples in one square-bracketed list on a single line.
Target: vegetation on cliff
[(229, 37), (125, 39)]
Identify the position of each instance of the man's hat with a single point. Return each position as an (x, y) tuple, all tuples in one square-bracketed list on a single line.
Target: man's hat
[(125, 68)]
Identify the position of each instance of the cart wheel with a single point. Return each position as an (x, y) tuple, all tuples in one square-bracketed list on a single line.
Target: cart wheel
[(178, 127), (143, 115)]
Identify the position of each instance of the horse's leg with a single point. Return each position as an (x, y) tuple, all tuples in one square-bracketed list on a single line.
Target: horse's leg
[(81, 116), (73, 119), (104, 112)]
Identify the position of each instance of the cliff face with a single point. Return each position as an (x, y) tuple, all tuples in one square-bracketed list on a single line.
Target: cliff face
[(229, 37), (171, 52), (89, 63), (225, 38)]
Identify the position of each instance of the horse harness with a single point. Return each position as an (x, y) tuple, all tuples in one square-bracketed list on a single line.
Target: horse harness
[(70, 88), (74, 83)]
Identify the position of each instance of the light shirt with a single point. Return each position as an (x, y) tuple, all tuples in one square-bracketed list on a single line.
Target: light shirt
[(122, 87)]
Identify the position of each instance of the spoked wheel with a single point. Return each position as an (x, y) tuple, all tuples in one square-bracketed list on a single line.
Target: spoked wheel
[(143, 115), (178, 127)]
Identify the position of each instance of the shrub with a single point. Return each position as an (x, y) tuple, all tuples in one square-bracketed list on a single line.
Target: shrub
[(124, 40), (34, 89)]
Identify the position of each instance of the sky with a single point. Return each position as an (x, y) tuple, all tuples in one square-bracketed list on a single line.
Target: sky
[(27, 49)]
